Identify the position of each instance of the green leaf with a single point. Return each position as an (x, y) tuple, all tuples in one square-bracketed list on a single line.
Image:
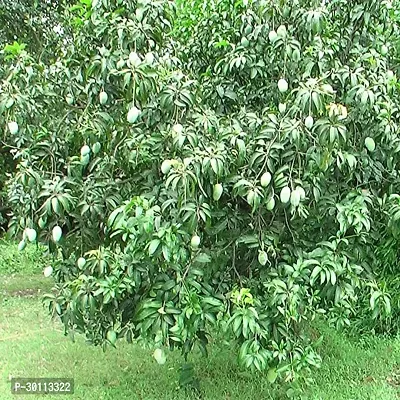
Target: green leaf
[(202, 258), (154, 246), (272, 375)]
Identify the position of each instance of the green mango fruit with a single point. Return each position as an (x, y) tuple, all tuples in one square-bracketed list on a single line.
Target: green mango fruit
[(195, 242), (81, 262), (133, 115), (271, 204), (283, 85), (295, 198), (57, 233), (159, 356), (13, 127), (21, 245), (285, 194), (266, 179), (166, 166), (309, 122), (217, 191), (31, 233), (103, 98), (262, 257), (369, 144)]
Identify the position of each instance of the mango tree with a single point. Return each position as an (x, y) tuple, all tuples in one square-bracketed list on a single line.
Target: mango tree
[(213, 165)]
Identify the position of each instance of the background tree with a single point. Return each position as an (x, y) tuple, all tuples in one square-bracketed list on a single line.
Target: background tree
[(37, 24)]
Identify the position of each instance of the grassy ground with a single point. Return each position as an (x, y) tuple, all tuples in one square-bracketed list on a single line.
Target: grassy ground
[(31, 345)]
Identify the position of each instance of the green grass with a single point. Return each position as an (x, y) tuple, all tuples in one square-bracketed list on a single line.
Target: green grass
[(20, 271), (31, 345), (27, 262)]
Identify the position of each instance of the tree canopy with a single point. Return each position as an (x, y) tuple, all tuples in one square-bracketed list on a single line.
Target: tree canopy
[(212, 165)]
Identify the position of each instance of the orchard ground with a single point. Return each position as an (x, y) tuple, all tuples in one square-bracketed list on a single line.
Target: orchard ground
[(31, 345)]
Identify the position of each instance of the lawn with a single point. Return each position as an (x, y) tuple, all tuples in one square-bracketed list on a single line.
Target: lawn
[(31, 345)]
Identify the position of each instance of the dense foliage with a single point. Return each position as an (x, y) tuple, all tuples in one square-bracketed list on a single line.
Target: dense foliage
[(32, 22), (213, 165)]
